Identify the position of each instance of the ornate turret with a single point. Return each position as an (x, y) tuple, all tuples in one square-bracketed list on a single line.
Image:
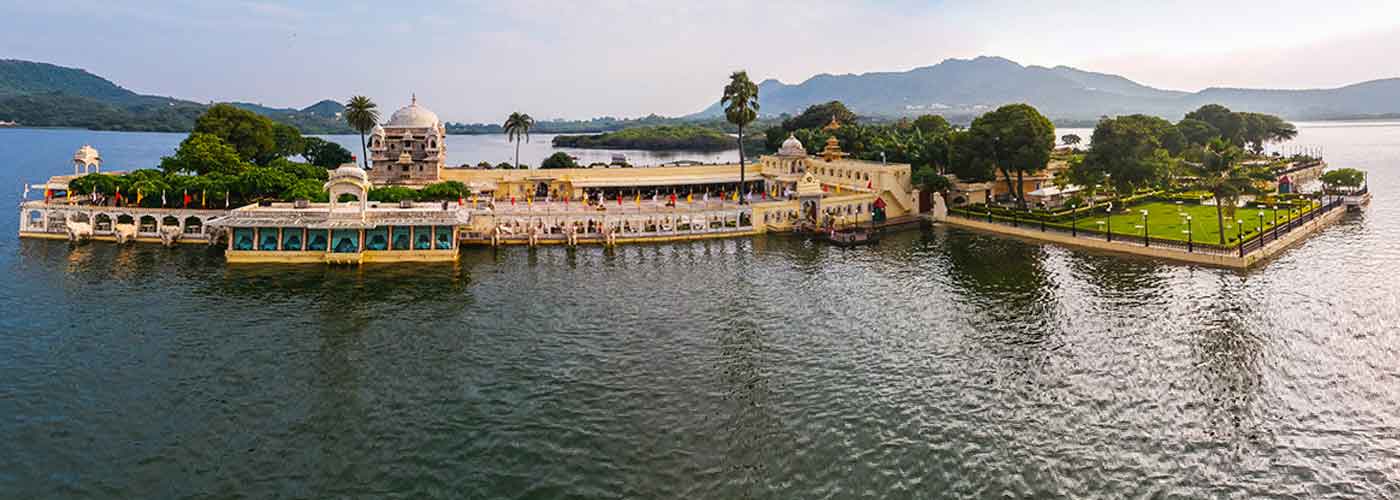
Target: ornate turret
[(832, 151), (86, 160), (835, 124)]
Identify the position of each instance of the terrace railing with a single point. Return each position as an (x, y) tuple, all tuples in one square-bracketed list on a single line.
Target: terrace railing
[(1251, 243)]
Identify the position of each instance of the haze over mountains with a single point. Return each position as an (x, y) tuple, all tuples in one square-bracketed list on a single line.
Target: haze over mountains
[(962, 88)]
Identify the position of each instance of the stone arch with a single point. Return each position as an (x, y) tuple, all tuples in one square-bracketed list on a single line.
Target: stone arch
[(35, 219), (193, 225), (102, 222), (170, 220), (125, 219), (80, 217), (147, 224)]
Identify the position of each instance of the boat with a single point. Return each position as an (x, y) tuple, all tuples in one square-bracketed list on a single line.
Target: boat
[(850, 236)]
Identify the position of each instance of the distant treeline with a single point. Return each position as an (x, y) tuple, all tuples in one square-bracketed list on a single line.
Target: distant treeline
[(652, 138)]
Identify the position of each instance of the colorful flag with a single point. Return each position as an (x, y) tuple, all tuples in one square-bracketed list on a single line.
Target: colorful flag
[(162, 197), (619, 198), (512, 200), (186, 200), (48, 194), (639, 199), (869, 185), (204, 199), (139, 196)]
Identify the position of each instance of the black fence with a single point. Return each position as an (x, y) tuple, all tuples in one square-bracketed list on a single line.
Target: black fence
[(1251, 243)]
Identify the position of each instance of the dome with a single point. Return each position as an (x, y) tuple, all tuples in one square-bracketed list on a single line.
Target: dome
[(350, 170), (413, 116), (87, 154), (792, 147)]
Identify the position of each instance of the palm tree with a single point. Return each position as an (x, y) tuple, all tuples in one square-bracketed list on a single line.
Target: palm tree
[(517, 126), (1221, 173), (362, 114), (740, 103)]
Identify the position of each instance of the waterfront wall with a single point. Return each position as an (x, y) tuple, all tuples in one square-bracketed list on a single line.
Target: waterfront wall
[(1331, 213), (39, 219)]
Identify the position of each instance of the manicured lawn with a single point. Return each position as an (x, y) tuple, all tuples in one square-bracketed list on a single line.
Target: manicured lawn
[(1164, 220)]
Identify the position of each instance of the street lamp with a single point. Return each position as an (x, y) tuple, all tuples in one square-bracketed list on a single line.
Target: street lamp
[(1109, 210), (1275, 207), (1145, 239), (1190, 239), (1073, 219), (1261, 226), (1239, 226)]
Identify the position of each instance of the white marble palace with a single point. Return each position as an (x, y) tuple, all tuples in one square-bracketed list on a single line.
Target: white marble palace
[(411, 148)]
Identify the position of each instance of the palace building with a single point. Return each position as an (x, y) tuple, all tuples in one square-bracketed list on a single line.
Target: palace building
[(349, 232), (410, 148), (790, 190)]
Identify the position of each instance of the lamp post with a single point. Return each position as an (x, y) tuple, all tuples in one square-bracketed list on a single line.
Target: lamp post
[(1261, 226), (1190, 238), (1145, 239), (1110, 220), (1073, 220), (1275, 207), (1239, 226)]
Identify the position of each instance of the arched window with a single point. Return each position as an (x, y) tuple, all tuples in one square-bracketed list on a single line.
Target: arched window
[(193, 225)]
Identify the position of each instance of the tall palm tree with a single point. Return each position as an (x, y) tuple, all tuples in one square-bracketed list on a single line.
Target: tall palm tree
[(740, 103), (362, 114), (517, 126), (1221, 173)]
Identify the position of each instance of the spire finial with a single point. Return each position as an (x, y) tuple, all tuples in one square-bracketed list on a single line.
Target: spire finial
[(415, 99)]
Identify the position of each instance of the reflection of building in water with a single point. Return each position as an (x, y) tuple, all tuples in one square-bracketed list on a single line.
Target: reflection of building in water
[(410, 148), (348, 229)]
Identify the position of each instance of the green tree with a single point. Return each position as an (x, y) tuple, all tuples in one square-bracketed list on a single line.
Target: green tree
[(932, 124), (927, 179), (1260, 129), (817, 115), (518, 126), (392, 194), (1344, 177), (1229, 123), (1225, 178), (1125, 151), (559, 160), (1197, 132), (287, 142), (740, 101), (262, 183), (306, 189), (324, 154), (445, 190), (1071, 140), (249, 133), (203, 153), (300, 170), (362, 114), (1020, 141), (970, 156)]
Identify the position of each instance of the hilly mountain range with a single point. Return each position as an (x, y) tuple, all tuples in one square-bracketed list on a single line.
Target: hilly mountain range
[(45, 95), (963, 88)]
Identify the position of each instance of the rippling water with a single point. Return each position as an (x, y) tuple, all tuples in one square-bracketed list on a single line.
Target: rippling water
[(941, 363)]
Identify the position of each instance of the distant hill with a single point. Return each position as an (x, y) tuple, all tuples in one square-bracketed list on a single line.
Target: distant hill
[(45, 95), (962, 88)]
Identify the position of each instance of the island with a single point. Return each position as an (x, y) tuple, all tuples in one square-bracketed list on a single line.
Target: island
[(652, 138)]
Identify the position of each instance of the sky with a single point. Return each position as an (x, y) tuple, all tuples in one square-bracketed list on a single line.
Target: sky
[(477, 61)]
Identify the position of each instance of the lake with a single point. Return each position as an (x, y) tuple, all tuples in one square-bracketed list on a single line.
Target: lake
[(939, 363)]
